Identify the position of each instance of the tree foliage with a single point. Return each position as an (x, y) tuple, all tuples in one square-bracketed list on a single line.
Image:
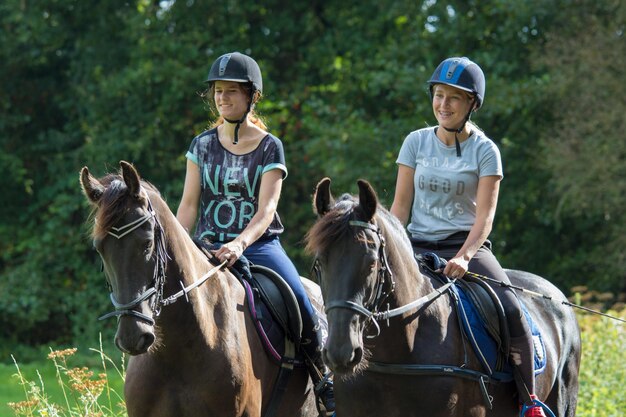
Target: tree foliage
[(583, 150), (91, 83)]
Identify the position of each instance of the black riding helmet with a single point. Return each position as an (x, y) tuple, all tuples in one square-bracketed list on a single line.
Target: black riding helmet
[(464, 74), (239, 68)]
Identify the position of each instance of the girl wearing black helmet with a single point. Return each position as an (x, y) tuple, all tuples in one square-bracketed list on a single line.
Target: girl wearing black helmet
[(234, 178), (447, 191)]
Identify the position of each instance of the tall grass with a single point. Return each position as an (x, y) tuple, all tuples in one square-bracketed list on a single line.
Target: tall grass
[(603, 368), (82, 393)]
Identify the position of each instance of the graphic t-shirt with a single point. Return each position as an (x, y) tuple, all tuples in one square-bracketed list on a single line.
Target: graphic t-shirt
[(230, 185), (446, 185)]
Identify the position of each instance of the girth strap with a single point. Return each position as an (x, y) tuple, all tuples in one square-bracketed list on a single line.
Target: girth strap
[(438, 370)]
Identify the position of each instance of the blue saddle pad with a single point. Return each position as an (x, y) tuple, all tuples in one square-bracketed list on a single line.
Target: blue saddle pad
[(485, 346)]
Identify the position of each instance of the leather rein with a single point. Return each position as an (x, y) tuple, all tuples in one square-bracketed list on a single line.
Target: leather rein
[(385, 285)]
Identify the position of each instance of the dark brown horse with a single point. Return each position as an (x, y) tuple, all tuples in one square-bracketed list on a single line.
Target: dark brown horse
[(188, 359), (394, 342)]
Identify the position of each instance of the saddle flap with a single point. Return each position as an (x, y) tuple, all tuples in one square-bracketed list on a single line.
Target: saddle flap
[(279, 299), (490, 309)]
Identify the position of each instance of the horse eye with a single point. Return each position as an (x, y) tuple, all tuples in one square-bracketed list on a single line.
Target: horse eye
[(148, 248)]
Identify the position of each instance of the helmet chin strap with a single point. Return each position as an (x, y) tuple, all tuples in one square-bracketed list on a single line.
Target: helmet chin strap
[(456, 138), (240, 121)]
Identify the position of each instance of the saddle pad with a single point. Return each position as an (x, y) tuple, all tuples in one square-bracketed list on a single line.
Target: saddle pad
[(485, 346)]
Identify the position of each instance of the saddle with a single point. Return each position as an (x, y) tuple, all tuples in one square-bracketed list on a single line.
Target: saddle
[(483, 320), (272, 305), (273, 292), (274, 310)]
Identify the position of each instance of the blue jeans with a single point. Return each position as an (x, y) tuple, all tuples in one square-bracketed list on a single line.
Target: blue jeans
[(270, 253)]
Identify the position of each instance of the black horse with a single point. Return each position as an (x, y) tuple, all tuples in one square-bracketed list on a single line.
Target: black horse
[(415, 362)]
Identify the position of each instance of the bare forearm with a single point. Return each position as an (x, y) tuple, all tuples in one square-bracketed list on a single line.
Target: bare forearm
[(401, 212), (255, 229), (477, 236), (186, 216)]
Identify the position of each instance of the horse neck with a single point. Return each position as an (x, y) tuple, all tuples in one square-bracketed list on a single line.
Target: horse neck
[(209, 302), (409, 281), (421, 325)]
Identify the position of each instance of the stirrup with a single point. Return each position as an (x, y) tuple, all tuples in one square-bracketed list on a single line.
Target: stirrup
[(535, 403), (324, 396)]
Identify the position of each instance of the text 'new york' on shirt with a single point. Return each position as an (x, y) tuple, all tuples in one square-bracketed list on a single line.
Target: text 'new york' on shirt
[(230, 185)]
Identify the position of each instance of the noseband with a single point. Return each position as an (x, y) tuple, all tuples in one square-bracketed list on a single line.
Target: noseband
[(158, 279), (385, 284)]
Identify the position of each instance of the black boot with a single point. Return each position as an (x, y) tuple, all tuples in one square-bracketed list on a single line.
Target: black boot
[(522, 358), (322, 386)]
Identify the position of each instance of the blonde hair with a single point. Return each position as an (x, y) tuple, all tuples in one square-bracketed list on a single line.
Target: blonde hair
[(209, 94)]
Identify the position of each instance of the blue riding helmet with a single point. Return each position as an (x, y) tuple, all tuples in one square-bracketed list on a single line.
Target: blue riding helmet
[(462, 73)]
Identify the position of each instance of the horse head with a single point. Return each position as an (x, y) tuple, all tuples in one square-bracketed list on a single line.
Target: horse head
[(349, 246), (129, 238)]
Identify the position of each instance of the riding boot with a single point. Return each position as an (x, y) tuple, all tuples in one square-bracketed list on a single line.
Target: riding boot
[(522, 357), (321, 377)]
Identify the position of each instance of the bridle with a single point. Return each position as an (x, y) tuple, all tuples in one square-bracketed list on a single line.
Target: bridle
[(385, 283), (158, 277)]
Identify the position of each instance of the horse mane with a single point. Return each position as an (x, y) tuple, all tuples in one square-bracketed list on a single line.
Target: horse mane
[(113, 203)]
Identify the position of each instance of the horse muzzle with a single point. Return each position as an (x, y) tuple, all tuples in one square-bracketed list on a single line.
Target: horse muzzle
[(133, 336), (343, 351)]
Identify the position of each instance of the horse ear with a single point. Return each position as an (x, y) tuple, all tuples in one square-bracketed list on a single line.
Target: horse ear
[(323, 199), (368, 201), (131, 178), (92, 188)]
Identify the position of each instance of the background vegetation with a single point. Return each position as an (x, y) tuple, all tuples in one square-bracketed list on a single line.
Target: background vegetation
[(93, 82), (59, 385)]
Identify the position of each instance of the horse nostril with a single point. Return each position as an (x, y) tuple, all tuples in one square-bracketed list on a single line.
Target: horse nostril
[(144, 342), (357, 355), (120, 346)]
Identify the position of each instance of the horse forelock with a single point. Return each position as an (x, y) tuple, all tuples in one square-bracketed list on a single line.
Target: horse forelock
[(114, 203), (332, 226)]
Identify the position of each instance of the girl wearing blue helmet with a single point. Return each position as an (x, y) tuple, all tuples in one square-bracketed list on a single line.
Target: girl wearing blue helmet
[(447, 191), (235, 172)]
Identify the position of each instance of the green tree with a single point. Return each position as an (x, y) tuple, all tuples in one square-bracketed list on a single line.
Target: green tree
[(91, 83), (583, 148)]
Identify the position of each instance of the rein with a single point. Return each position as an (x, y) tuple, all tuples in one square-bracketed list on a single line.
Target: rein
[(544, 296), (384, 274)]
